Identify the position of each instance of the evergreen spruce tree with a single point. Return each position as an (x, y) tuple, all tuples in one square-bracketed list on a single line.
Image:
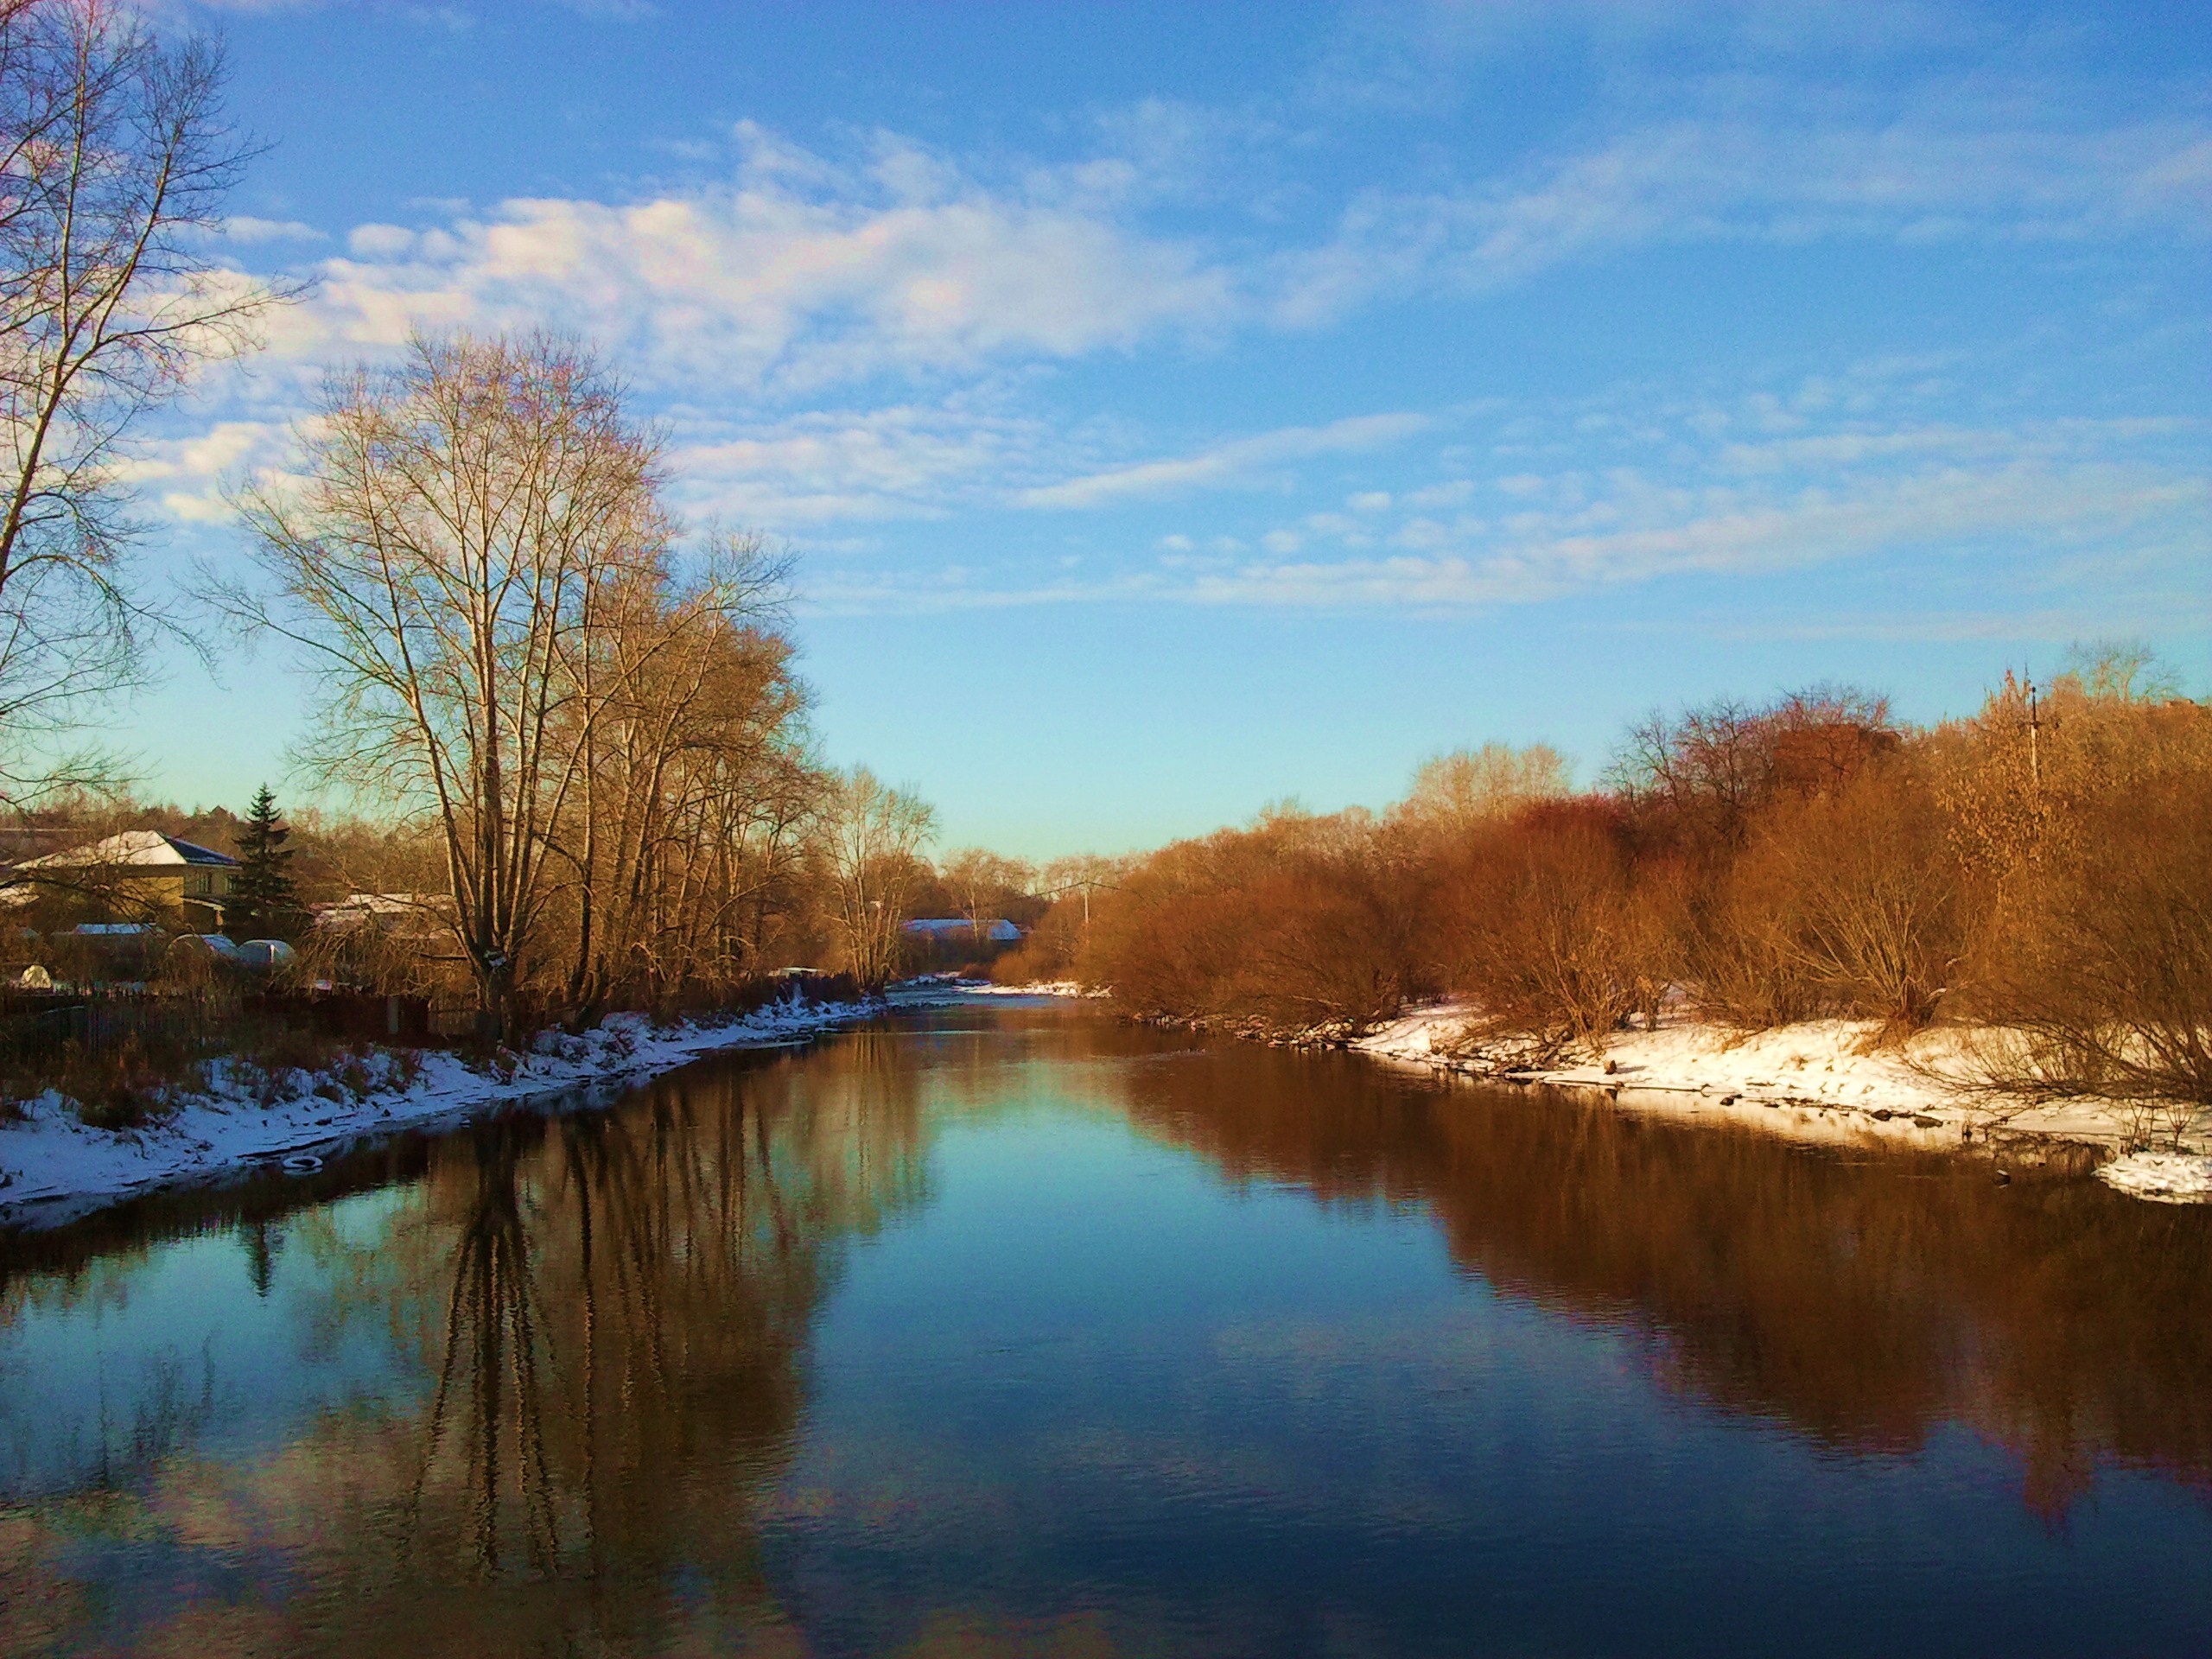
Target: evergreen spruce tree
[(263, 903)]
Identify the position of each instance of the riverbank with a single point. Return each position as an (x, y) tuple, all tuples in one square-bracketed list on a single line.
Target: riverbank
[(54, 1168), (1823, 1080)]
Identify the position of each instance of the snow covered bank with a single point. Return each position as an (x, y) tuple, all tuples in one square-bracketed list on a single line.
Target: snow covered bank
[(1824, 1080), (53, 1168), (1048, 990), (2165, 1177)]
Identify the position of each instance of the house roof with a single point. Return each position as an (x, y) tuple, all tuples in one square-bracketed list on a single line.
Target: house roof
[(420, 910), (133, 847), (387, 904), (942, 927)]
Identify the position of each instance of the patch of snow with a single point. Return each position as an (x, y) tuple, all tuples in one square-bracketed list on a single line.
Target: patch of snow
[(1824, 1080), (2164, 1177), (53, 1168), (1058, 988)]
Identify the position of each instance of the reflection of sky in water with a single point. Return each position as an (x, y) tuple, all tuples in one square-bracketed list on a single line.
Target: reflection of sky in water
[(1072, 1387), (179, 1349), (1170, 1373)]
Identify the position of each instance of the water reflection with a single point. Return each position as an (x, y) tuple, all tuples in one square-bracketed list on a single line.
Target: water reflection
[(1154, 1349), (1864, 1302), (610, 1313)]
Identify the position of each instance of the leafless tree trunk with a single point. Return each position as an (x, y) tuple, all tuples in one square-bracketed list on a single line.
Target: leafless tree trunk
[(114, 165), (437, 558), (981, 880)]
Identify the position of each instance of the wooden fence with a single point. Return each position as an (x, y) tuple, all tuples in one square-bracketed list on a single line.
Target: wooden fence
[(35, 1027)]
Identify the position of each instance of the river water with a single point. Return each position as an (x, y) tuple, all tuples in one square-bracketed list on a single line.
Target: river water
[(1005, 1329)]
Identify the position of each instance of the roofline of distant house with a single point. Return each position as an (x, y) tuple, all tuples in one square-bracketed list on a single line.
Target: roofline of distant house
[(88, 856)]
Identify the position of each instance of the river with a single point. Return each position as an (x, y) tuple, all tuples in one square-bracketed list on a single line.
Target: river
[(1009, 1330)]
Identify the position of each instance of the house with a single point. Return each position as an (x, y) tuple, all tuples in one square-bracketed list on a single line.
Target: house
[(953, 930), (397, 915), (142, 874)]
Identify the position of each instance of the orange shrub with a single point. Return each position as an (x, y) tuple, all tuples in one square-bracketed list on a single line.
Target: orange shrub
[(1843, 902), (1298, 925), (1541, 925)]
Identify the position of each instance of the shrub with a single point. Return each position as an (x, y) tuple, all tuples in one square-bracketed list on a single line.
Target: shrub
[(1844, 902), (1050, 950), (127, 1087), (402, 1067), (1297, 925), (1543, 928), (269, 1061), (2104, 963)]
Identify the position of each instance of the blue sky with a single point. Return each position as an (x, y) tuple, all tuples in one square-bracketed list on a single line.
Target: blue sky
[(1176, 408)]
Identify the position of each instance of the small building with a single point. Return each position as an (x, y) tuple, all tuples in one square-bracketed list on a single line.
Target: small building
[(955, 929), (397, 915), (143, 874)]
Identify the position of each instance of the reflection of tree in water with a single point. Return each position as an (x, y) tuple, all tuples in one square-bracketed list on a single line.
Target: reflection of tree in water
[(1862, 1301), (493, 1345), (611, 1314), (620, 1370), (263, 1244)]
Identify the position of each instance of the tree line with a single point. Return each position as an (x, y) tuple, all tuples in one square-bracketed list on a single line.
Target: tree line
[(2038, 872), (567, 753), (559, 728)]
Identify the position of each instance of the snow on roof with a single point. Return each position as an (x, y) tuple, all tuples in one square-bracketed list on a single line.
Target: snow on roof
[(133, 847), (358, 909), (388, 904), (940, 927)]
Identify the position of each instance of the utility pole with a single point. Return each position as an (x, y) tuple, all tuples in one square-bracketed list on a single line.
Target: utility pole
[(2035, 732)]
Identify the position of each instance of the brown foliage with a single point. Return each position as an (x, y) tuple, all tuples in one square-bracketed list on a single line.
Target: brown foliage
[(1297, 925), (2042, 867), (1702, 777), (1543, 924), (2104, 963), (1050, 950), (1842, 903)]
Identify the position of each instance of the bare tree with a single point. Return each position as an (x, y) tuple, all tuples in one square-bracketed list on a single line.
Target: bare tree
[(872, 837), (114, 166), (1711, 769), (695, 787), (1455, 793), (982, 881), (455, 518)]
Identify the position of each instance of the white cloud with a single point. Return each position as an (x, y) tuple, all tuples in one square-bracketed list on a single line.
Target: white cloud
[(2116, 510), (1777, 171), (188, 471), (1228, 463), (1455, 493), (803, 272), (798, 275), (378, 241), (804, 279), (2037, 509), (820, 467), (246, 229)]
